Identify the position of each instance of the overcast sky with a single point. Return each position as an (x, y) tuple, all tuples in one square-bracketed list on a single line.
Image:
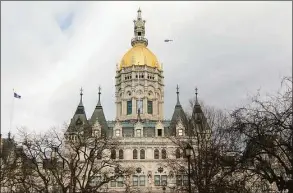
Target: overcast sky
[(51, 49)]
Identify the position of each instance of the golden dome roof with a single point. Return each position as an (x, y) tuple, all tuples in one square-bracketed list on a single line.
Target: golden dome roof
[(139, 55)]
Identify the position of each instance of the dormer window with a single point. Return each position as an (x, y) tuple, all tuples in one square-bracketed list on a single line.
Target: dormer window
[(117, 132), (138, 133), (159, 132), (96, 133), (139, 33), (78, 122)]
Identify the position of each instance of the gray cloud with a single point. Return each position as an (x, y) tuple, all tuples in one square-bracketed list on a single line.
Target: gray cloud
[(226, 49)]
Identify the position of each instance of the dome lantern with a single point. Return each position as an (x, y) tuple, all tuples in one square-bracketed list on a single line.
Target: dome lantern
[(139, 54), (139, 31)]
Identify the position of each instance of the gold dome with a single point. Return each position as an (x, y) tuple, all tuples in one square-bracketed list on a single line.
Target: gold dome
[(139, 55)]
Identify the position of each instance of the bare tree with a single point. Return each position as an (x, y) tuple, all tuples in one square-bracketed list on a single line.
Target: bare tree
[(8, 164), (71, 163), (213, 152), (265, 129)]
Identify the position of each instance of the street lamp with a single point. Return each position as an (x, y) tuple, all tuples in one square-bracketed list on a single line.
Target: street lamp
[(188, 150)]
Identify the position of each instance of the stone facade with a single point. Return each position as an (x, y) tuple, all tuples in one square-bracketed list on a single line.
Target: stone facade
[(140, 127)]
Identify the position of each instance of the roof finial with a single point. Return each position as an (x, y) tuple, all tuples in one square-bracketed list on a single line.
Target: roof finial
[(99, 102), (9, 135), (138, 13), (196, 95), (177, 92), (80, 103)]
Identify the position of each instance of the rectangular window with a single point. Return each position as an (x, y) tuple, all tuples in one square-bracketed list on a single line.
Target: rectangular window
[(139, 106), (113, 183), (117, 132), (120, 181), (138, 133), (164, 180), (185, 180), (157, 180), (160, 132), (129, 107), (179, 180), (99, 178), (150, 107), (135, 180), (180, 132), (95, 181), (142, 180)]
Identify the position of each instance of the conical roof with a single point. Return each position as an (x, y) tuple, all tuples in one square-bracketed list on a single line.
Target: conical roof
[(79, 118), (198, 118), (98, 115), (178, 114)]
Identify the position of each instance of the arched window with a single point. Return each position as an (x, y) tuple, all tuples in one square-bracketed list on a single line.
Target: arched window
[(156, 154), (164, 154), (113, 154), (142, 154), (150, 107), (121, 156), (134, 154), (129, 107), (177, 153)]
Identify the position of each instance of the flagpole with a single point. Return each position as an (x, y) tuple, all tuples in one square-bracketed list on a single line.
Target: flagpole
[(12, 111)]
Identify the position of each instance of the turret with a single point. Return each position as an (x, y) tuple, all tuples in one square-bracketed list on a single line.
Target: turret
[(99, 116), (79, 122), (178, 115), (198, 118)]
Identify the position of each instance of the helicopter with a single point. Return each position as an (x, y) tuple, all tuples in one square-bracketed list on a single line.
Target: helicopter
[(167, 40)]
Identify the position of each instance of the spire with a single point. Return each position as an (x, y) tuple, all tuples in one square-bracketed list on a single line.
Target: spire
[(139, 30), (98, 115), (80, 108), (196, 101), (79, 117), (177, 92), (99, 102), (80, 103), (197, 108), (178, 114), (198, 116), (138, 14)]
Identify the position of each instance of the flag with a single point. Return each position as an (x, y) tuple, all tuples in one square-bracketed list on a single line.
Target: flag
[(17, 96)]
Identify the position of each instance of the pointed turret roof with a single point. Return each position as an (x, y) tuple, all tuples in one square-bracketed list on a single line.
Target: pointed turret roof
[(196, 108), (79, 117), (178, 114), (98, 115), (198, 116)]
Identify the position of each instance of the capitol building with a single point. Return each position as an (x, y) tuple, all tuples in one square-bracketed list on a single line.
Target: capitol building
[(140, 126)]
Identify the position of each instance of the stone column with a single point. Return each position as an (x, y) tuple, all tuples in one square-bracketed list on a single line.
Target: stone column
[(145, 105), (133, 107)]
